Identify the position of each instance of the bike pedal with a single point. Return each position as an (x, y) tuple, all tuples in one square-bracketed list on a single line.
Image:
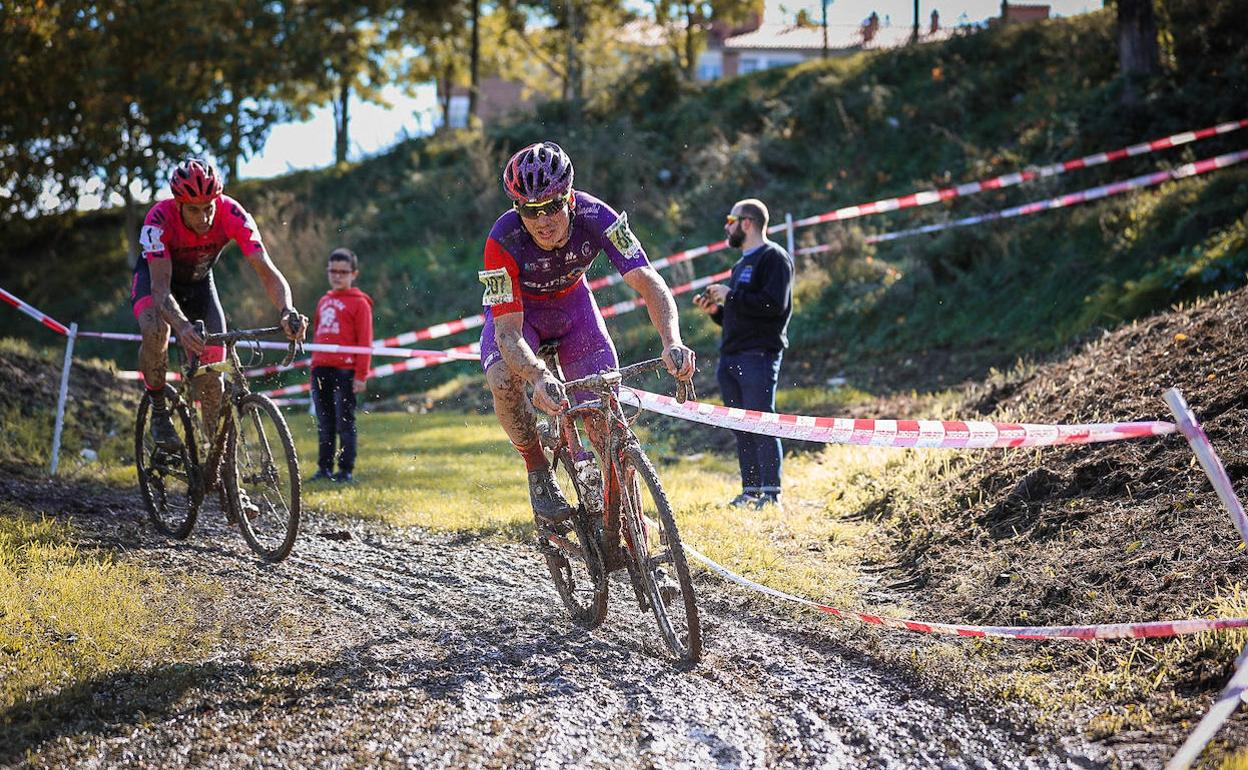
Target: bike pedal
[(545, 548)]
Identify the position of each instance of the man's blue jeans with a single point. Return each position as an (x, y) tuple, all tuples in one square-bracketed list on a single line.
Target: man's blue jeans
[(748, 381)]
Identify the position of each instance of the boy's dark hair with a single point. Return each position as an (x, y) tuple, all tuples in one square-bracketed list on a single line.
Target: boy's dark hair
[(345, 255)]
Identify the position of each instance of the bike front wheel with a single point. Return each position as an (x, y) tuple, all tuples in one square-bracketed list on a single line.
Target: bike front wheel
[(168, 478), (574, 558), (265, 483), (658, 557)]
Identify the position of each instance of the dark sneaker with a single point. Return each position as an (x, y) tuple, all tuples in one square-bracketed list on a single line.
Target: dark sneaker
[(549, 504), (744, 500), (321, 475), (163, 432), (767, 500), (343, 477)]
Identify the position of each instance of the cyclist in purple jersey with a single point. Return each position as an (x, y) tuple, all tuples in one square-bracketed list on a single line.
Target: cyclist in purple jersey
[(536, 258)]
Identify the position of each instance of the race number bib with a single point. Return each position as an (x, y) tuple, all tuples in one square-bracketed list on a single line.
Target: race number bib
[(622, 237), (150, 238), (497, 287)]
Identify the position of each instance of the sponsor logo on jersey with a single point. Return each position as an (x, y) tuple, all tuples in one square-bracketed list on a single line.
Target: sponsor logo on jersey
[(747, 273)]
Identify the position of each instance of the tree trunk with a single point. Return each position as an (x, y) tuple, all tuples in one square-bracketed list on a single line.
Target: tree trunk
[(130, 216), (573, 83), (474, 63), (690, 65), (446, 98), (1137, 39), (824, 23), (235, 145), (341, 121)]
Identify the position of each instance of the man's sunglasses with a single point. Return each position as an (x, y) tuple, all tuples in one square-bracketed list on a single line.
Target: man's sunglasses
[(335, 271), (548, 207), (732, 219)]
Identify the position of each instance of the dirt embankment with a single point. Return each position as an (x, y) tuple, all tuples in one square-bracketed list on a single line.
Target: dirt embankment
[(1129, 531)]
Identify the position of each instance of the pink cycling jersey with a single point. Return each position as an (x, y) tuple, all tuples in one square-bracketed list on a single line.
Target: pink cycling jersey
[(165, 236)]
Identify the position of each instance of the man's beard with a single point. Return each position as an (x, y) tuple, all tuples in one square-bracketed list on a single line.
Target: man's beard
[(736, 237)]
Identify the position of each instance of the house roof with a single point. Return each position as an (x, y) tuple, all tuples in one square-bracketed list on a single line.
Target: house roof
[(772, 37)]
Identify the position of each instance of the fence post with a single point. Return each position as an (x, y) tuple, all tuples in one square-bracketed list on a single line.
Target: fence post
[(1186, 421), (788, 223), (60, 402)]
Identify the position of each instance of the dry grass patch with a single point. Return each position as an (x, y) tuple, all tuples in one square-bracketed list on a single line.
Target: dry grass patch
[(69, 615)]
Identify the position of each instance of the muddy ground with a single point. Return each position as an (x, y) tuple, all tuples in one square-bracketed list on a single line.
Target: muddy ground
[(376, 647)]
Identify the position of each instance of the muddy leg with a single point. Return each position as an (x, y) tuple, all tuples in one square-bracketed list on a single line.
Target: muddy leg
[(154, 349), (511, 405), (209, 389)]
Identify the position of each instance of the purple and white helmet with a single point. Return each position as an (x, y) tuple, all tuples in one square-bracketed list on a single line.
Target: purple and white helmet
[(538, 172)]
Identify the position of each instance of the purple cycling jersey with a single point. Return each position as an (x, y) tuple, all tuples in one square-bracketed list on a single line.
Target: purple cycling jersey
[(549, 287), (517, 269)]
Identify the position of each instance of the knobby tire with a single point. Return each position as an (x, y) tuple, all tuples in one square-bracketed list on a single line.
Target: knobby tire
[(168, 480), (685, 643), (265, 482), (582, 584)]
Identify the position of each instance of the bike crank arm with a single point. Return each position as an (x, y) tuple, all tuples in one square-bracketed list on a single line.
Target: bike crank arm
[(564, 545)]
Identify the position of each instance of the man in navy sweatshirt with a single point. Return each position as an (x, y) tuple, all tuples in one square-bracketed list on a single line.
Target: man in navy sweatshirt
[(754, 310)]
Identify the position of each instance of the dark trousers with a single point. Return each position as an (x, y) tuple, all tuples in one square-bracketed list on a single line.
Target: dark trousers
[(335, 416), (748, 381)]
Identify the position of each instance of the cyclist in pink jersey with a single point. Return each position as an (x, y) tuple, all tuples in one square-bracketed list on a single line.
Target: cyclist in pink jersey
[(182, 239), (536, 258)]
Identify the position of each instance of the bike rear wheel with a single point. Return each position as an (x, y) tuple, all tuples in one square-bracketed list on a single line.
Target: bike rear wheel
[(168, 478), (580, 580), (265, 482), (659, 558)]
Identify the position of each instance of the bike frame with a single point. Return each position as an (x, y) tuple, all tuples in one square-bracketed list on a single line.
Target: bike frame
[(606, 407), (234, 390)]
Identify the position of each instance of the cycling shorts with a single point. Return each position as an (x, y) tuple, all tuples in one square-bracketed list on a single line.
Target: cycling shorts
[(198, 300), (573, 320)]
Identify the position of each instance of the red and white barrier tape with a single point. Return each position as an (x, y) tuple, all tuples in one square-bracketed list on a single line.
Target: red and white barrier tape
[(1007, 180), (35, 313), (312, 346), (1095, 193), (1154, 629), (133, 376), (469, 352), (922, 198), (897, 433), (626, 306)]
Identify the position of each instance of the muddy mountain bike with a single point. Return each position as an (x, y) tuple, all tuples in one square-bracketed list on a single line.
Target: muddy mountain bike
[(620, 519), (248, 457)]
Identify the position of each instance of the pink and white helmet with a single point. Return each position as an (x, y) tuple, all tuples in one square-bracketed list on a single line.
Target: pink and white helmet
[(538, 172)]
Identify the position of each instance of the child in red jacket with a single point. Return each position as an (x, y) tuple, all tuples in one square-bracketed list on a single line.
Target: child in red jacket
[(344, 316)]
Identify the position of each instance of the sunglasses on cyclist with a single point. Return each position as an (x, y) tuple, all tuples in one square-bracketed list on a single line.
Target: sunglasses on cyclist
[(335, 271), (732, 219), (548, 207)]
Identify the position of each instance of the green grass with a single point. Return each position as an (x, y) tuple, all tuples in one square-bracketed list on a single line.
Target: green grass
[(69, 615), (454, 472)]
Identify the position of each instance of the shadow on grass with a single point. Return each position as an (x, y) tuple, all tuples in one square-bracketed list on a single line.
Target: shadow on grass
[(98, 706)]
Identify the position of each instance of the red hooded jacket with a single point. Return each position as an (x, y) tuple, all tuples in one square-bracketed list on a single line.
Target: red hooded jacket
[(344, 317)]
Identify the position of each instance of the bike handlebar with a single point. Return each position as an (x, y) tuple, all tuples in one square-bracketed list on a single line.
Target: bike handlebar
[(247, 335), (605, 381)]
